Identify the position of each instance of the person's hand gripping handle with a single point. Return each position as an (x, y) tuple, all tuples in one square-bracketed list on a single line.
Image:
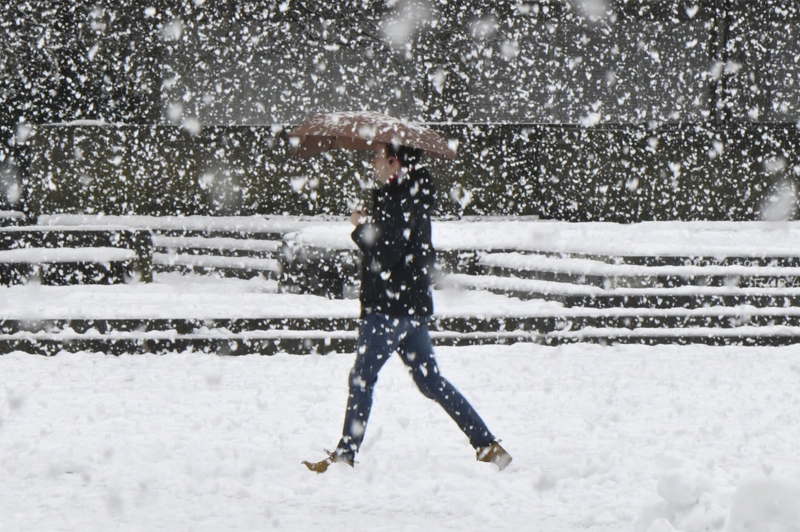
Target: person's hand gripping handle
[(358, 216)]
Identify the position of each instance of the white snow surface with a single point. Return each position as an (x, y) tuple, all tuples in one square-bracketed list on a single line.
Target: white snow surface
[(173, 242), (57, 255), (604, 439), (199, 297), (212, 261), (175, 296), (538, 262), (709, 239), (251, 224), (681, 239)]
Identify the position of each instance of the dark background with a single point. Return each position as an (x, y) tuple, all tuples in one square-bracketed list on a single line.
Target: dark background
[(573, 110)]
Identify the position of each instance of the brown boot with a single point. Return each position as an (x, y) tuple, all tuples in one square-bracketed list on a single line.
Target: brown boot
[(322, 465), (494, 454)]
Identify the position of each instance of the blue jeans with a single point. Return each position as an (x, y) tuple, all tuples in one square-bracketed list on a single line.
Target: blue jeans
[(378, 337)]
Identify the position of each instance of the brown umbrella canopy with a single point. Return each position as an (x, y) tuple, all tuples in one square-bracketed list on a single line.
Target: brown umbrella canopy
[(362, 131)]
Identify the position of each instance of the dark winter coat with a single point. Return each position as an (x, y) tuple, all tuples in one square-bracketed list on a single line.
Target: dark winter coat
[(398, 254)]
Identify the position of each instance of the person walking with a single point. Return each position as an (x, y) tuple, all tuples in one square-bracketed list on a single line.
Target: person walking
[(396, 302)]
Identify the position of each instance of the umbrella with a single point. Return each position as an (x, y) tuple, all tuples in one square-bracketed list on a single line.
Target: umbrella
[(360, 131)]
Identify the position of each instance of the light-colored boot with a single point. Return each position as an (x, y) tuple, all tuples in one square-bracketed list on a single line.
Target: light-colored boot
[(494, 454), (333, 457)]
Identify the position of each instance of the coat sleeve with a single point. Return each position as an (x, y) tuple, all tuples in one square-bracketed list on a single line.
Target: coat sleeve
[(384, 240)]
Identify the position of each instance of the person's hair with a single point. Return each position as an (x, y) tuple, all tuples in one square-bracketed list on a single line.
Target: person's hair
[(405, 155)]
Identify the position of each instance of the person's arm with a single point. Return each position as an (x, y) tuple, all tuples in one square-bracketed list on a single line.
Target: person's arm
[(383, 241)]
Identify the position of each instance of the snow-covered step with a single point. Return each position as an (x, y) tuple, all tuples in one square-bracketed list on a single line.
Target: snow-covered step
[(57, 255), (220, 340), (441, 336), (11, 218), (216, 243), (653, 272), (65, 255), (747, 334), (270, 225), (738, 311), (69, 335), (131, 344), (598, 268), (648, 239), (541, 322), (321, 342), (217, 262), (534, 287), (173, 296), (771, 334), (63, 266), (242, 255)]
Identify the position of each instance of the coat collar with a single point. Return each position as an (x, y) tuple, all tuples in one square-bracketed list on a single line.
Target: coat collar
[(402, 179)]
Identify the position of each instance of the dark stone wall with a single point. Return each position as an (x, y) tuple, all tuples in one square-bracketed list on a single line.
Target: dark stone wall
[(641, 110), (620, 173)]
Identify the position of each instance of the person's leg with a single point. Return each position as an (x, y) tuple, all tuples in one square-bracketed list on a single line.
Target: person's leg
[(377, 340), (417, 353)]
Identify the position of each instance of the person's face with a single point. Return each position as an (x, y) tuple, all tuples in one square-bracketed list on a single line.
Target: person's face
[(385, 167)]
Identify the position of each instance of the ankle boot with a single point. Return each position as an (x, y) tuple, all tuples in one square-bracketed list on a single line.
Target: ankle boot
[(494, 454), (333, 457)]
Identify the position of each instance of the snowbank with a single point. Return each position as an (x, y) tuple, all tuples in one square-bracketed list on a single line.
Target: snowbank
[(691, 502), (605, 439)]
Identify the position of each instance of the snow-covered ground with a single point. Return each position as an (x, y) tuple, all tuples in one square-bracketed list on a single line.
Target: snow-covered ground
[(604, 439), (619, 438)]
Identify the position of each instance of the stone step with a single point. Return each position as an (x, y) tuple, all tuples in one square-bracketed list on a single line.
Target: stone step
[(217, 262), (325, 342), (12, 218), (593, 295), (56, 255), (217, 244)]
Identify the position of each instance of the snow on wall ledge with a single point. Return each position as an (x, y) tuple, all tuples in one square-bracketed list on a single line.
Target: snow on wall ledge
[(680, 239)]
